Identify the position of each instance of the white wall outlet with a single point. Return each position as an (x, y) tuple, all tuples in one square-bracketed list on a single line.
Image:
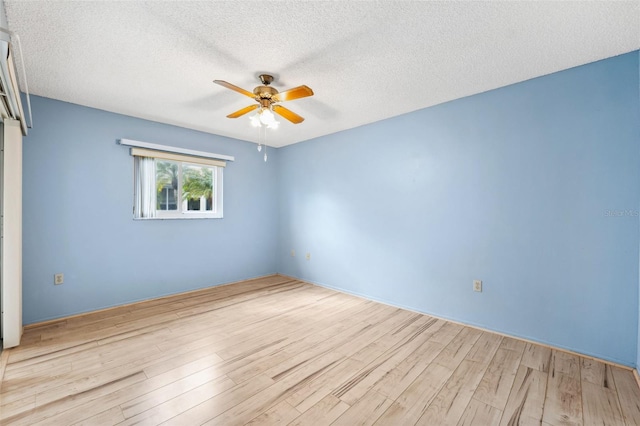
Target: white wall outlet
[(308, 256), (58, 279), (477, 285), (293, 253)]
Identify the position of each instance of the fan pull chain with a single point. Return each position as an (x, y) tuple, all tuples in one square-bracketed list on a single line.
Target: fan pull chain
[(262, 139), (265, 144)]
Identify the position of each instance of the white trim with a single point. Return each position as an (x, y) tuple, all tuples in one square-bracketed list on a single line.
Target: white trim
[(166, 148), (141, 152), (12, 234)]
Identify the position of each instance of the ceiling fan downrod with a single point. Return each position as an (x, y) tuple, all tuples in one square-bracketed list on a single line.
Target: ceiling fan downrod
[(266, 79)]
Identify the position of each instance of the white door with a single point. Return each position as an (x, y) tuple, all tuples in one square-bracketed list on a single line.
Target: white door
[(11, 252)]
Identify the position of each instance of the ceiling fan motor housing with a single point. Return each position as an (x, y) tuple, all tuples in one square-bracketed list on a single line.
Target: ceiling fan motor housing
[(264, 92)]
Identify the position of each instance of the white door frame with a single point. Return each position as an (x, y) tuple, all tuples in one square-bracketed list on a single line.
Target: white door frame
[(11, 275)]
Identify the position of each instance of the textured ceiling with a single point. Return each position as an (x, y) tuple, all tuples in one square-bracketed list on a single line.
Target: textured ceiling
[(365, 61)]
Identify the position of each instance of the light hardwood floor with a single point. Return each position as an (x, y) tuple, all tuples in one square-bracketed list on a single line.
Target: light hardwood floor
[(279, 351)]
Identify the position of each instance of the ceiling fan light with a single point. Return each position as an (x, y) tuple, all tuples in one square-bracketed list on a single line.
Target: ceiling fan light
[(266, 116), (273, 125), (255, 120)]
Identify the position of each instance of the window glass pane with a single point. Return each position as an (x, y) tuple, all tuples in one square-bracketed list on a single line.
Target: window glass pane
[(197, 187), (167, 185), (193, 204)]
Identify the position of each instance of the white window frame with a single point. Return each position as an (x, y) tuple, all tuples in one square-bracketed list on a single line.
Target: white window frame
[(182, 212)]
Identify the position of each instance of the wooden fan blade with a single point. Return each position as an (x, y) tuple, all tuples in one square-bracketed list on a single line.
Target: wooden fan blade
[(291, 94), (288, 114), (242, 111), (235, 88)]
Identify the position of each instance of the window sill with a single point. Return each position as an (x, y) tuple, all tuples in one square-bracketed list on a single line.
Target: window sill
[(186, 217)]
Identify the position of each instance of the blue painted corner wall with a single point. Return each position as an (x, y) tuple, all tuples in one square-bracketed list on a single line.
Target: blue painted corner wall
[(533, 188), (78, 197)]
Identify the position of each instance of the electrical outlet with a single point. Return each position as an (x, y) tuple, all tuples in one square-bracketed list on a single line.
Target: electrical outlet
[(308, 256), (58, 279), (293, 253), (477, 285)]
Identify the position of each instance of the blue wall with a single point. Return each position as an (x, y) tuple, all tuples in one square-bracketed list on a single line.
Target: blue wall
[(532, 188), (78, 193)]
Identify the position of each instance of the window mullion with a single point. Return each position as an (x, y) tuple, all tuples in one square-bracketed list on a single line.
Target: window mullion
[(214, 190), (181, 203)]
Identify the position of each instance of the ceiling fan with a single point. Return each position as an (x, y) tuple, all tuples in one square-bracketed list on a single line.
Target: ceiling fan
[(267, 98)]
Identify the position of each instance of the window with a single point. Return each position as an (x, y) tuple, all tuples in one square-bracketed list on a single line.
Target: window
[(172, 186)]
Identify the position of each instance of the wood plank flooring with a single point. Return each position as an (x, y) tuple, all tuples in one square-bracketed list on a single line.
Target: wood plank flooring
[(279, 351)]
